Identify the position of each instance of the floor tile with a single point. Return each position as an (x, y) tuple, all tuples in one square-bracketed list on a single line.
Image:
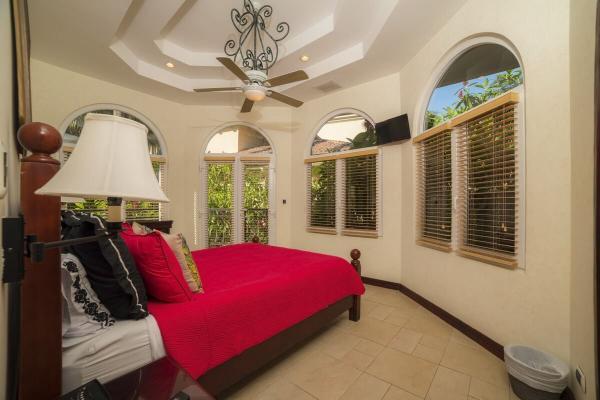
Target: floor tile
[(428, 353), (429, 325), (403, 370), (449, 385), (329, 381), (357, 359), (366, 387), (406, 340), (485, 391), (434, 342), (395, 393), (380, 312), (373, 329), (283, 390), (477, 363), (369, 347)]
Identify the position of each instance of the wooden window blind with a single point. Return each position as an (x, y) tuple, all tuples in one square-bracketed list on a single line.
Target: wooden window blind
[(255, 207), (360, 194), (220, 218), (434, 190), (487, 151), (321, 196), (134, 210)]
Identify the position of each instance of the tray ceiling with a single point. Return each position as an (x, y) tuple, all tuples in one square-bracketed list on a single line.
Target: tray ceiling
[(130, 42)]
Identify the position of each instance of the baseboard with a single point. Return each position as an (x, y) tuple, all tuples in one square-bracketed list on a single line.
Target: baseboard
[(484, 341)]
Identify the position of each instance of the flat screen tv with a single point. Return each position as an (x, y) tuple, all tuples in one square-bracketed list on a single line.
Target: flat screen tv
[(393, 130)]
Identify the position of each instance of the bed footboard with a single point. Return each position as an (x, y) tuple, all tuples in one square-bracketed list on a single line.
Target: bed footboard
[(354, 312)]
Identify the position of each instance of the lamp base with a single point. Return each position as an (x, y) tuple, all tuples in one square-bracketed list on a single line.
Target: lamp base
[(114, 220)]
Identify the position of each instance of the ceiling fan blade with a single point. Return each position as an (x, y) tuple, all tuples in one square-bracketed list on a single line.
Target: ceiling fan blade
[(287, 78), (285, 99), (230, 65), (247, 106), (221, 89)]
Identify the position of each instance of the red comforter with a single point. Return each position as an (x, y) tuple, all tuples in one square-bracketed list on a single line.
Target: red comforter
[(252, 292)]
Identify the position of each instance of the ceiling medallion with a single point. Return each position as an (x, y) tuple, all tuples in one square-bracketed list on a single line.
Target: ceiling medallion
[(256, 47)]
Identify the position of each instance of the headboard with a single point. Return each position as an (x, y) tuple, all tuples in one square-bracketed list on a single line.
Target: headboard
[(41, 306)]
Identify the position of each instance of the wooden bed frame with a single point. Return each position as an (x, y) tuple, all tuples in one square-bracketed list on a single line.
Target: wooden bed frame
[(41, 351)]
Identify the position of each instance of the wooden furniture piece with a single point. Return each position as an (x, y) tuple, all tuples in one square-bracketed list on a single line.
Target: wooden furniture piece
[(41, 307), (226, 377), (163, 226), (159, 380)]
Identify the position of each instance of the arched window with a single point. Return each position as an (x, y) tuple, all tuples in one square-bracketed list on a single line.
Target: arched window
[(342, 132), (134, 210), (479, 74), (344, 164), (470, 172), (238, 186)]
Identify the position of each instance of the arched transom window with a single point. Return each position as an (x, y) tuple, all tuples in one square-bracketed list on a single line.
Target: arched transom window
[(238, 187), (342, 132), (476, 76), (134, 210)]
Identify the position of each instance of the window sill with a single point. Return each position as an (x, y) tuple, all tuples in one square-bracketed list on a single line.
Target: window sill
[(358, 233), (326, 231), (434, 244), (488, 258)]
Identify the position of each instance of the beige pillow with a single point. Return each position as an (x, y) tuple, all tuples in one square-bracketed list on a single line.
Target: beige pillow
[(180, 248)]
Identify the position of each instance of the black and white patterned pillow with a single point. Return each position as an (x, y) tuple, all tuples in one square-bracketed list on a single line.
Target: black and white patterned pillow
[(85, 313)]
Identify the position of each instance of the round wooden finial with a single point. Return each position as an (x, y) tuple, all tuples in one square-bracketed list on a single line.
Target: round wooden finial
[(40, 138), (355, 254), (255, 239)]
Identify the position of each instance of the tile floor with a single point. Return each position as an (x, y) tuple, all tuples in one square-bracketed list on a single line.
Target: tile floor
[(398, 351)]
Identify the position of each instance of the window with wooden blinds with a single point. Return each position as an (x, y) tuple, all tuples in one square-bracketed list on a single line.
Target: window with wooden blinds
[(434, 191), (321, 196), (255, 207), (360, 194), (487, 151), (220, 219)]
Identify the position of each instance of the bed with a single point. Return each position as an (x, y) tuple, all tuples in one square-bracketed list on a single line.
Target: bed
[(252, 293), (259, 302)]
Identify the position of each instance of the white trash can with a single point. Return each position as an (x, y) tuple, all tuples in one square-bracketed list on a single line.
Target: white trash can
[(535, 375)]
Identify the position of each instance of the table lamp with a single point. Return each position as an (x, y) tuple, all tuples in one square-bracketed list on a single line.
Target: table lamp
[(111, 161)]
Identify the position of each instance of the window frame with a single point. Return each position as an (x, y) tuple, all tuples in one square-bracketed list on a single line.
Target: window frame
[(453, 125), (238, 159), (339, 158)]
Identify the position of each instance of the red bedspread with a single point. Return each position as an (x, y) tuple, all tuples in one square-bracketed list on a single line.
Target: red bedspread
[(252, 292)]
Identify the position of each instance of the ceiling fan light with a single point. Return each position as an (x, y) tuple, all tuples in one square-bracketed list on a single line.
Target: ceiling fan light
[(255, 94)]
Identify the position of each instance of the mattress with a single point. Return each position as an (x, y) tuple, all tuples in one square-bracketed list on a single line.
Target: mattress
[(110, 352)]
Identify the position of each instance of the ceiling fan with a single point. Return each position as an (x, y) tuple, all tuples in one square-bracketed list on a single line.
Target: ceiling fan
[(257, 51)]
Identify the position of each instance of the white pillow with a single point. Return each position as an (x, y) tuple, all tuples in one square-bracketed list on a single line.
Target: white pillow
[(85, 313)]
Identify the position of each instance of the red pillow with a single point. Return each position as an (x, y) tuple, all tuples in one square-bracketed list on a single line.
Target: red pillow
[(158, 267)]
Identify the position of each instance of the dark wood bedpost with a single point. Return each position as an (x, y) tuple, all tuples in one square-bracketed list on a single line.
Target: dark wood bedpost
[(41, 308), (354, 313), (255, 239)]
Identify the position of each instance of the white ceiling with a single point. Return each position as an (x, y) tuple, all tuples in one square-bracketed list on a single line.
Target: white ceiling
[(128, 42)]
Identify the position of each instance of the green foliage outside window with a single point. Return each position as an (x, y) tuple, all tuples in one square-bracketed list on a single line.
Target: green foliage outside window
[(220, 204), (322, 185)]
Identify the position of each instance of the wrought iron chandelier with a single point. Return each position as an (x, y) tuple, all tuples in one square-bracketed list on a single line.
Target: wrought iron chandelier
[(256, 47)]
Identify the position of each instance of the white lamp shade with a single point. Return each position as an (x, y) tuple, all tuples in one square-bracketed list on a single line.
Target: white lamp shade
[(110, 160)]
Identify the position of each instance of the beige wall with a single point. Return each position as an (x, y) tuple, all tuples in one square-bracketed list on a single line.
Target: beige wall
[(583, 20), (58, 92)]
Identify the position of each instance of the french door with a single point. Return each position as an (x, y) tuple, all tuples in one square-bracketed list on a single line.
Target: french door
[(237, 198)]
